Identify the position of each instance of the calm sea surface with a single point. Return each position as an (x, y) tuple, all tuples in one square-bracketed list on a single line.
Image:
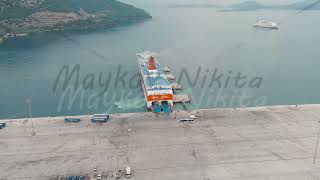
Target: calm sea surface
[(204, 48)]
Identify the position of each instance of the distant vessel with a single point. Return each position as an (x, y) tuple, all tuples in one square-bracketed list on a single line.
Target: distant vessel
[(266, 24), (156, 87)]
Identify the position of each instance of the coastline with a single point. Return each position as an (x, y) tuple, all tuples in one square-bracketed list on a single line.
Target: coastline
[(181, 112), (12, 36)]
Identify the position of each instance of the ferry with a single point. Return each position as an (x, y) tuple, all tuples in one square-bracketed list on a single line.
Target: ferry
[(156, 87), (266, 24)]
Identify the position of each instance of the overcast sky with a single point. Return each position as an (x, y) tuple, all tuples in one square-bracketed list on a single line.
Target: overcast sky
[(237, 1), (218, 2)]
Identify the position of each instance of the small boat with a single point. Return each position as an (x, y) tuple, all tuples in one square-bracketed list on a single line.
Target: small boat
[(266, 24)]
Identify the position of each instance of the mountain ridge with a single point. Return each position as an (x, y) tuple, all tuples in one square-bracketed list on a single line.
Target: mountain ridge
[(254, 5)]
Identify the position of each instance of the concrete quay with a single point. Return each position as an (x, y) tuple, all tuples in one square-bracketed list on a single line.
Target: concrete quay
[(276, 142)]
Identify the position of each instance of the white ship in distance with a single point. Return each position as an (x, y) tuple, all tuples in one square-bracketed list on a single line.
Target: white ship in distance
[(266, 24)]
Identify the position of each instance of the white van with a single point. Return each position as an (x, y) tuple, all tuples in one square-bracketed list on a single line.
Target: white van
[(128, 172)]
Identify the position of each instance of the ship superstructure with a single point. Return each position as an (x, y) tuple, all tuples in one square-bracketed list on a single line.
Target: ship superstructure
[(156, 87)]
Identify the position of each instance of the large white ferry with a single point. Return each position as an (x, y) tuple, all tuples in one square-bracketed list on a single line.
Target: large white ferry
[(156, 87), (266, 24)]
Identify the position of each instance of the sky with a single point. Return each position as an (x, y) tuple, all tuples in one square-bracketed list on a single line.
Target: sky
[(260, 1), (216, 2)]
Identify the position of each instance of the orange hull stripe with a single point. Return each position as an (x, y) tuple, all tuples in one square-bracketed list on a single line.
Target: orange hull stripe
[(163, 97)]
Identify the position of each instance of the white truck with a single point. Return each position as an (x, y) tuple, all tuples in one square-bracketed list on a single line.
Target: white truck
[(128, 172)]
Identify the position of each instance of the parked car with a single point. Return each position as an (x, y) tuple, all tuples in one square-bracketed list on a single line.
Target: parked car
[(186, 120), (2, 125), (99, 177)]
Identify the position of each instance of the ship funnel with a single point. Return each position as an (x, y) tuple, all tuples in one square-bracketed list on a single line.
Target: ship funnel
[(152, 63)]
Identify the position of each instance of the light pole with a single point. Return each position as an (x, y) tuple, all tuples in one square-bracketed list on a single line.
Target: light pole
[(28, 101), (316, 150)]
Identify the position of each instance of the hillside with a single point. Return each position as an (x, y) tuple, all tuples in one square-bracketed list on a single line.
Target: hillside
[(248, 6), (303, 5), (31, 16), (253, 5)]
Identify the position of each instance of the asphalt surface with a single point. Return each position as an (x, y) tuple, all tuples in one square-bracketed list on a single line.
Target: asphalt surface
[(248, 143)]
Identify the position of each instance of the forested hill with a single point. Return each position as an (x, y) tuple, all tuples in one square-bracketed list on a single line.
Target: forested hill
[(29, 16)]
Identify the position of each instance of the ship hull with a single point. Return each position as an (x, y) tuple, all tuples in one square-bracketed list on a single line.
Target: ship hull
[(156, 87)]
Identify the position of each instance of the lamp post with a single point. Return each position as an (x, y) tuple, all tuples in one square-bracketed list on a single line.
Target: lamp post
[(28, 101), (316, 150)]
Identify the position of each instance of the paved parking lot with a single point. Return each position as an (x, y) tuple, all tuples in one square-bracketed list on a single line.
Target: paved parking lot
[(247, 143)]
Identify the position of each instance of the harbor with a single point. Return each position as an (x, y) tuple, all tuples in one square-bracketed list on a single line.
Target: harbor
[(11, 36), (158, 84), (273, 142), (225, 91), (35, 56), (178, 96)]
